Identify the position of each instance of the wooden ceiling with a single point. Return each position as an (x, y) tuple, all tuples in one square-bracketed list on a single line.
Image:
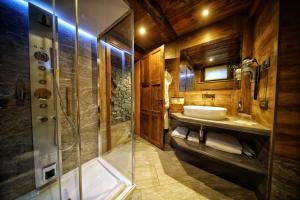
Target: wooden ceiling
[(224, 50), (166, 20)]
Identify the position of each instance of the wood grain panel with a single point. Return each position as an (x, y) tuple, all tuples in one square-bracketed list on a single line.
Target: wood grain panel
[(157, 123), (246, 93), (156, 98), (265, 45), (145, 74), (217, 85), (137, 97), (152, 95), (229, 26), (145, 125), (286, 161), (186, 16), (223, 50), (287, 141), (154, 36), (224, 96), (145, 98), (155, 63), (161, 18), (108, 97), (172, 66)]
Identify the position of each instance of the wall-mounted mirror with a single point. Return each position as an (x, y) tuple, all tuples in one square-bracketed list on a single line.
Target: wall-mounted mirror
[(210, 65)]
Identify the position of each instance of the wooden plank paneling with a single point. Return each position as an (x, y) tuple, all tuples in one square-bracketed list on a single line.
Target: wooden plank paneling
[(137, 99), (166, 19), (186, 16), (223, 50), (108, 97), (287, 141), (225, 97), (265, 45), (172, 66)]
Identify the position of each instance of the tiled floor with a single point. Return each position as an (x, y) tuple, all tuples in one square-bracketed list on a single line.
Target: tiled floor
[(161, 175)]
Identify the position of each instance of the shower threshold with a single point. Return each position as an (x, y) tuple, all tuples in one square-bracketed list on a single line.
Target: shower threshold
[(100, 180)]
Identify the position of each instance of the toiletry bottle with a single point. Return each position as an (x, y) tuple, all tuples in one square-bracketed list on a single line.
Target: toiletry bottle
[(241, 105)]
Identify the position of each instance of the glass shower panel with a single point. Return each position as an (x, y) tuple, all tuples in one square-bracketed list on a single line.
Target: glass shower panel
[(115, 98), (67, 99), (50, 85)]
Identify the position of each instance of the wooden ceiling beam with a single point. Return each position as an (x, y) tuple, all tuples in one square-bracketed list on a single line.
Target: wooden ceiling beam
[(153, 8), (187, 58), (138, 48)]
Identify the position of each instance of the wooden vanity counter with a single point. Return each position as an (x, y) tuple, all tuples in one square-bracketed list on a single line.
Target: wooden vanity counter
[(230, 124)]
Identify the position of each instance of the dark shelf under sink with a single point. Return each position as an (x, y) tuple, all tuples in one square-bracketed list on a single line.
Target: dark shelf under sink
[(241, 169)]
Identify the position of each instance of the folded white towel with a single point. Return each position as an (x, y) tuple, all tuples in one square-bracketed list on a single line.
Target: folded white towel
[(247, 149), (180, 132), (193, 136), (223, 142)]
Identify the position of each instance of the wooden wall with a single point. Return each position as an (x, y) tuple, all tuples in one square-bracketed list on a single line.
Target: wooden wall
[(259, 39), (137, 97), (286, 161), (224, 98), (264, 46)]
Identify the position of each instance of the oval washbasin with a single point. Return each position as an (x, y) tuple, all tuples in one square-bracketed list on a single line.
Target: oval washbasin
[(205, 112)]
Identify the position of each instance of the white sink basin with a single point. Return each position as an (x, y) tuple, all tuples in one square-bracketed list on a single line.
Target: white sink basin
[(205, 112)]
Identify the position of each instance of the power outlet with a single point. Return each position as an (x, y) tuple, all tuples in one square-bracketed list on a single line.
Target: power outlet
[(266, 63), (263, 104)]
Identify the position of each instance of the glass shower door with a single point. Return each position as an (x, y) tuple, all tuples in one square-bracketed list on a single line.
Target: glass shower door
[(115, 98), (51, 141)]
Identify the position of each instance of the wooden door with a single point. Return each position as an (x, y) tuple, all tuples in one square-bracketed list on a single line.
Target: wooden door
[(152, 97)]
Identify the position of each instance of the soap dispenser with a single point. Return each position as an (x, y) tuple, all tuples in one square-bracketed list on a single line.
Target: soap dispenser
[(241, 105)]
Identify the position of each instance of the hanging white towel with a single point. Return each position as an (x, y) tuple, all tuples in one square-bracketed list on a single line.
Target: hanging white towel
[(193, 136), (223, 142), (168, 81), (180, 132)]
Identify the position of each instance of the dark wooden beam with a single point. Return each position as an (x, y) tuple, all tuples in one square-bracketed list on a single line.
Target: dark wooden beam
[(155, 11), (254, 8), (187, 58), (138, 48)]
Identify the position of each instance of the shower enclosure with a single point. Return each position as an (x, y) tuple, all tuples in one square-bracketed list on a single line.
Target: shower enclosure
[(66, 99)]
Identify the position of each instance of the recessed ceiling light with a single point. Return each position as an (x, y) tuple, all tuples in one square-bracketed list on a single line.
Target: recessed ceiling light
[(142, 30), (205, 12), (211, 59)]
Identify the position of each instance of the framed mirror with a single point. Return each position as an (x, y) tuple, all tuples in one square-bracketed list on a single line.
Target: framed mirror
[(210, 65)]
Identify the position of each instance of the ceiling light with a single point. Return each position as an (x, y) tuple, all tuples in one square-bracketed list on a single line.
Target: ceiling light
[(211, 59), (142, 30), (205, 12)]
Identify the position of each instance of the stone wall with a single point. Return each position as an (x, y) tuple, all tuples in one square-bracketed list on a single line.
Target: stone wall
[(16, 146), (121, 91)]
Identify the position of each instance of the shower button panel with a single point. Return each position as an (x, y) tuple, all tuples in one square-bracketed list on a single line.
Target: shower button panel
[(43, 109)]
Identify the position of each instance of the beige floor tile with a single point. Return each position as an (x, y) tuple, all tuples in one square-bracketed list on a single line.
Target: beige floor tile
[(162, 175)]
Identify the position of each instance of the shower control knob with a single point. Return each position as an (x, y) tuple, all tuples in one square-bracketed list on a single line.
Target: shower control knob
[(42, 93), (42, 82), (42, 68), (44, 57), (43, 105), (44, 119), (37, 55), (41, 56)]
